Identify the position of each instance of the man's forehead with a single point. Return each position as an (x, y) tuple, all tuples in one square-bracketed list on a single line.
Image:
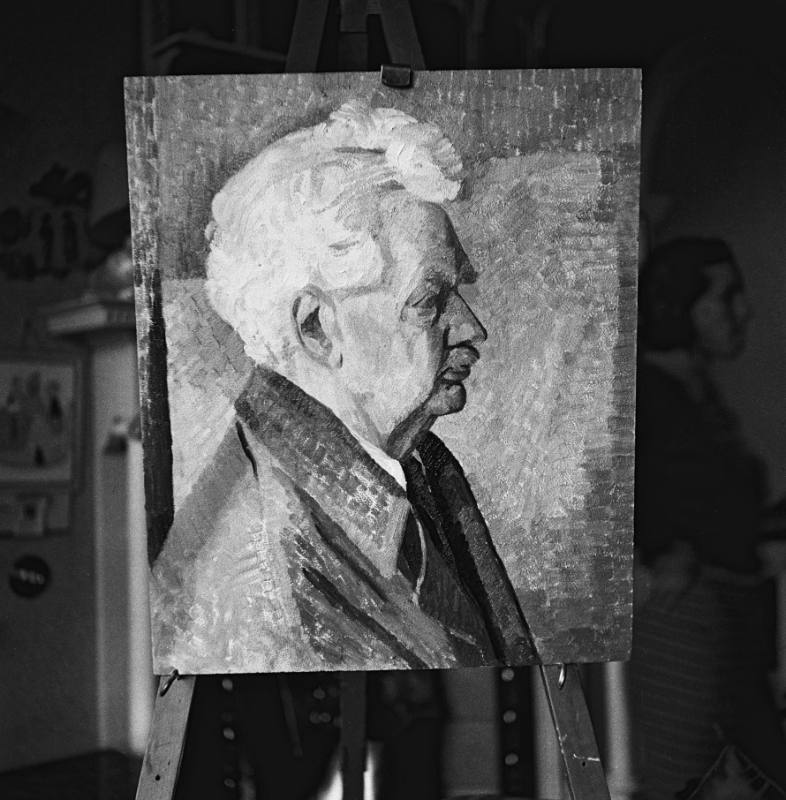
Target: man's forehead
[(464, 267), (422, 243)]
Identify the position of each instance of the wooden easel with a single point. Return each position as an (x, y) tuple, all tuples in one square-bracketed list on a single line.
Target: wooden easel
[(582, 765)]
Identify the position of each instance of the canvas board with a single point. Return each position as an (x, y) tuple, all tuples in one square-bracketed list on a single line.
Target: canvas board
[(387, 364)]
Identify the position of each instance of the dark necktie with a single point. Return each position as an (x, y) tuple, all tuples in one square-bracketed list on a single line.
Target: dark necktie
[(421, 499), (411, 555), (443, 593), (426, 513)]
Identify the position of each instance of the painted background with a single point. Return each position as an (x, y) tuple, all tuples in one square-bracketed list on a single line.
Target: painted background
[(548, 216)]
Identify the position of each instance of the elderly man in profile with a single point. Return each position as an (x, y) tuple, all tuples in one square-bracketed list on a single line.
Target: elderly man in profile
[(332, 529)]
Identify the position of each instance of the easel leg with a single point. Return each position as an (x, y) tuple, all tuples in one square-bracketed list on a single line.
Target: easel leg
[(160, 767), (575, 734), (353, 734), (307, 33), (400, 34)]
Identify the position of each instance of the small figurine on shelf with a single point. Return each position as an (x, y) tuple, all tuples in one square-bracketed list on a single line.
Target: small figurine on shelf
[(114, 278)]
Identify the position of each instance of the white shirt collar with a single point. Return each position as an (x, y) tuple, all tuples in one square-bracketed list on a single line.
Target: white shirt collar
[(390, 465)]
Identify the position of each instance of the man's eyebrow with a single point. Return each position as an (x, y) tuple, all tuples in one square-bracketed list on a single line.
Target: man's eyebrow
[(429, 283), (361, 151), (465, 271), (462, 272)]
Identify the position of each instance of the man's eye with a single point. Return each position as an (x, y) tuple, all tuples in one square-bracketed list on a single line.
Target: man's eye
[(428, 302), (426, 306)]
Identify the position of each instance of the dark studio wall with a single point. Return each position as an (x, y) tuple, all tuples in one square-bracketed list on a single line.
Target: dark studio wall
[(714, 163), (60, 101)]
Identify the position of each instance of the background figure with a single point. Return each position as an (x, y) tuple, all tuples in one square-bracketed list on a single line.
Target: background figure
[(703, 638)]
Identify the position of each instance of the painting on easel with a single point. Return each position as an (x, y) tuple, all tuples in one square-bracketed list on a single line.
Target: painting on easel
[(386, 346)]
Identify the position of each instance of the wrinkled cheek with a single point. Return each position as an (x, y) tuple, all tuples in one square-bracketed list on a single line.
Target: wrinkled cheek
[(407, 381), (365, 344), (424, 358)]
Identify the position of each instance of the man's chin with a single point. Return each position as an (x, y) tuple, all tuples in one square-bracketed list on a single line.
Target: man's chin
[(445, 398), (448, 398)]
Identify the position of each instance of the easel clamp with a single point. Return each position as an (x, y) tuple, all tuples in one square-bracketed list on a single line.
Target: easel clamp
[(396, 76), (167, 682)]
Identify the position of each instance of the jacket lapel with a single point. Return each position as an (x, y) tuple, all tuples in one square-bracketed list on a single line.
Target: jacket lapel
[(321, 457), (474, 554)]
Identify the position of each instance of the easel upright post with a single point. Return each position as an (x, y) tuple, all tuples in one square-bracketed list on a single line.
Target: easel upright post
[(307, 34)]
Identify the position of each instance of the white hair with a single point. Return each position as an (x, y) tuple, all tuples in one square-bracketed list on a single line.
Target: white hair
[(305, 211)]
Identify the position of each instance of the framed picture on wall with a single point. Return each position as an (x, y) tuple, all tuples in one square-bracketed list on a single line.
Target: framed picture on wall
[(40, 401)]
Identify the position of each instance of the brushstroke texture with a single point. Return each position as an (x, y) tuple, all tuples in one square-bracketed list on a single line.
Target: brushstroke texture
[(548, 216)]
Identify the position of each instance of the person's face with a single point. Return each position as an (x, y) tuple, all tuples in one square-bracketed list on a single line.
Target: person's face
[(720, 316), (408, 345)]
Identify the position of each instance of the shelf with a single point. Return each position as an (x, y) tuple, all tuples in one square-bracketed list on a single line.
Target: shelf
[(89, 314)]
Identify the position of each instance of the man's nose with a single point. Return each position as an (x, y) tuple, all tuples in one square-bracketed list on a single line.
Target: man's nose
[(464, 326)]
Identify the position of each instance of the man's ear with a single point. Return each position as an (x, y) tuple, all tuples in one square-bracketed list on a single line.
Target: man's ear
[(313, 313)]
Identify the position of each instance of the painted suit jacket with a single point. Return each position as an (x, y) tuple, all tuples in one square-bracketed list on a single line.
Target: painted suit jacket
[(285, 556)]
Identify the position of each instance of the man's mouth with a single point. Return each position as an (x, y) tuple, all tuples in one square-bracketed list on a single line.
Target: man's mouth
[(458, 363)]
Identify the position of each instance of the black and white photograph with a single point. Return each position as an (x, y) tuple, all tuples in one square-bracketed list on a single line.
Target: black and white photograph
[(391, 400)]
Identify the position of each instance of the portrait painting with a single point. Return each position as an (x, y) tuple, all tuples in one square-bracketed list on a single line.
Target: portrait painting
[(387, 366)]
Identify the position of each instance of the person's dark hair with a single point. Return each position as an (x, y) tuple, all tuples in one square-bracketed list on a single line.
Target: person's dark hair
[(672, 279)]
